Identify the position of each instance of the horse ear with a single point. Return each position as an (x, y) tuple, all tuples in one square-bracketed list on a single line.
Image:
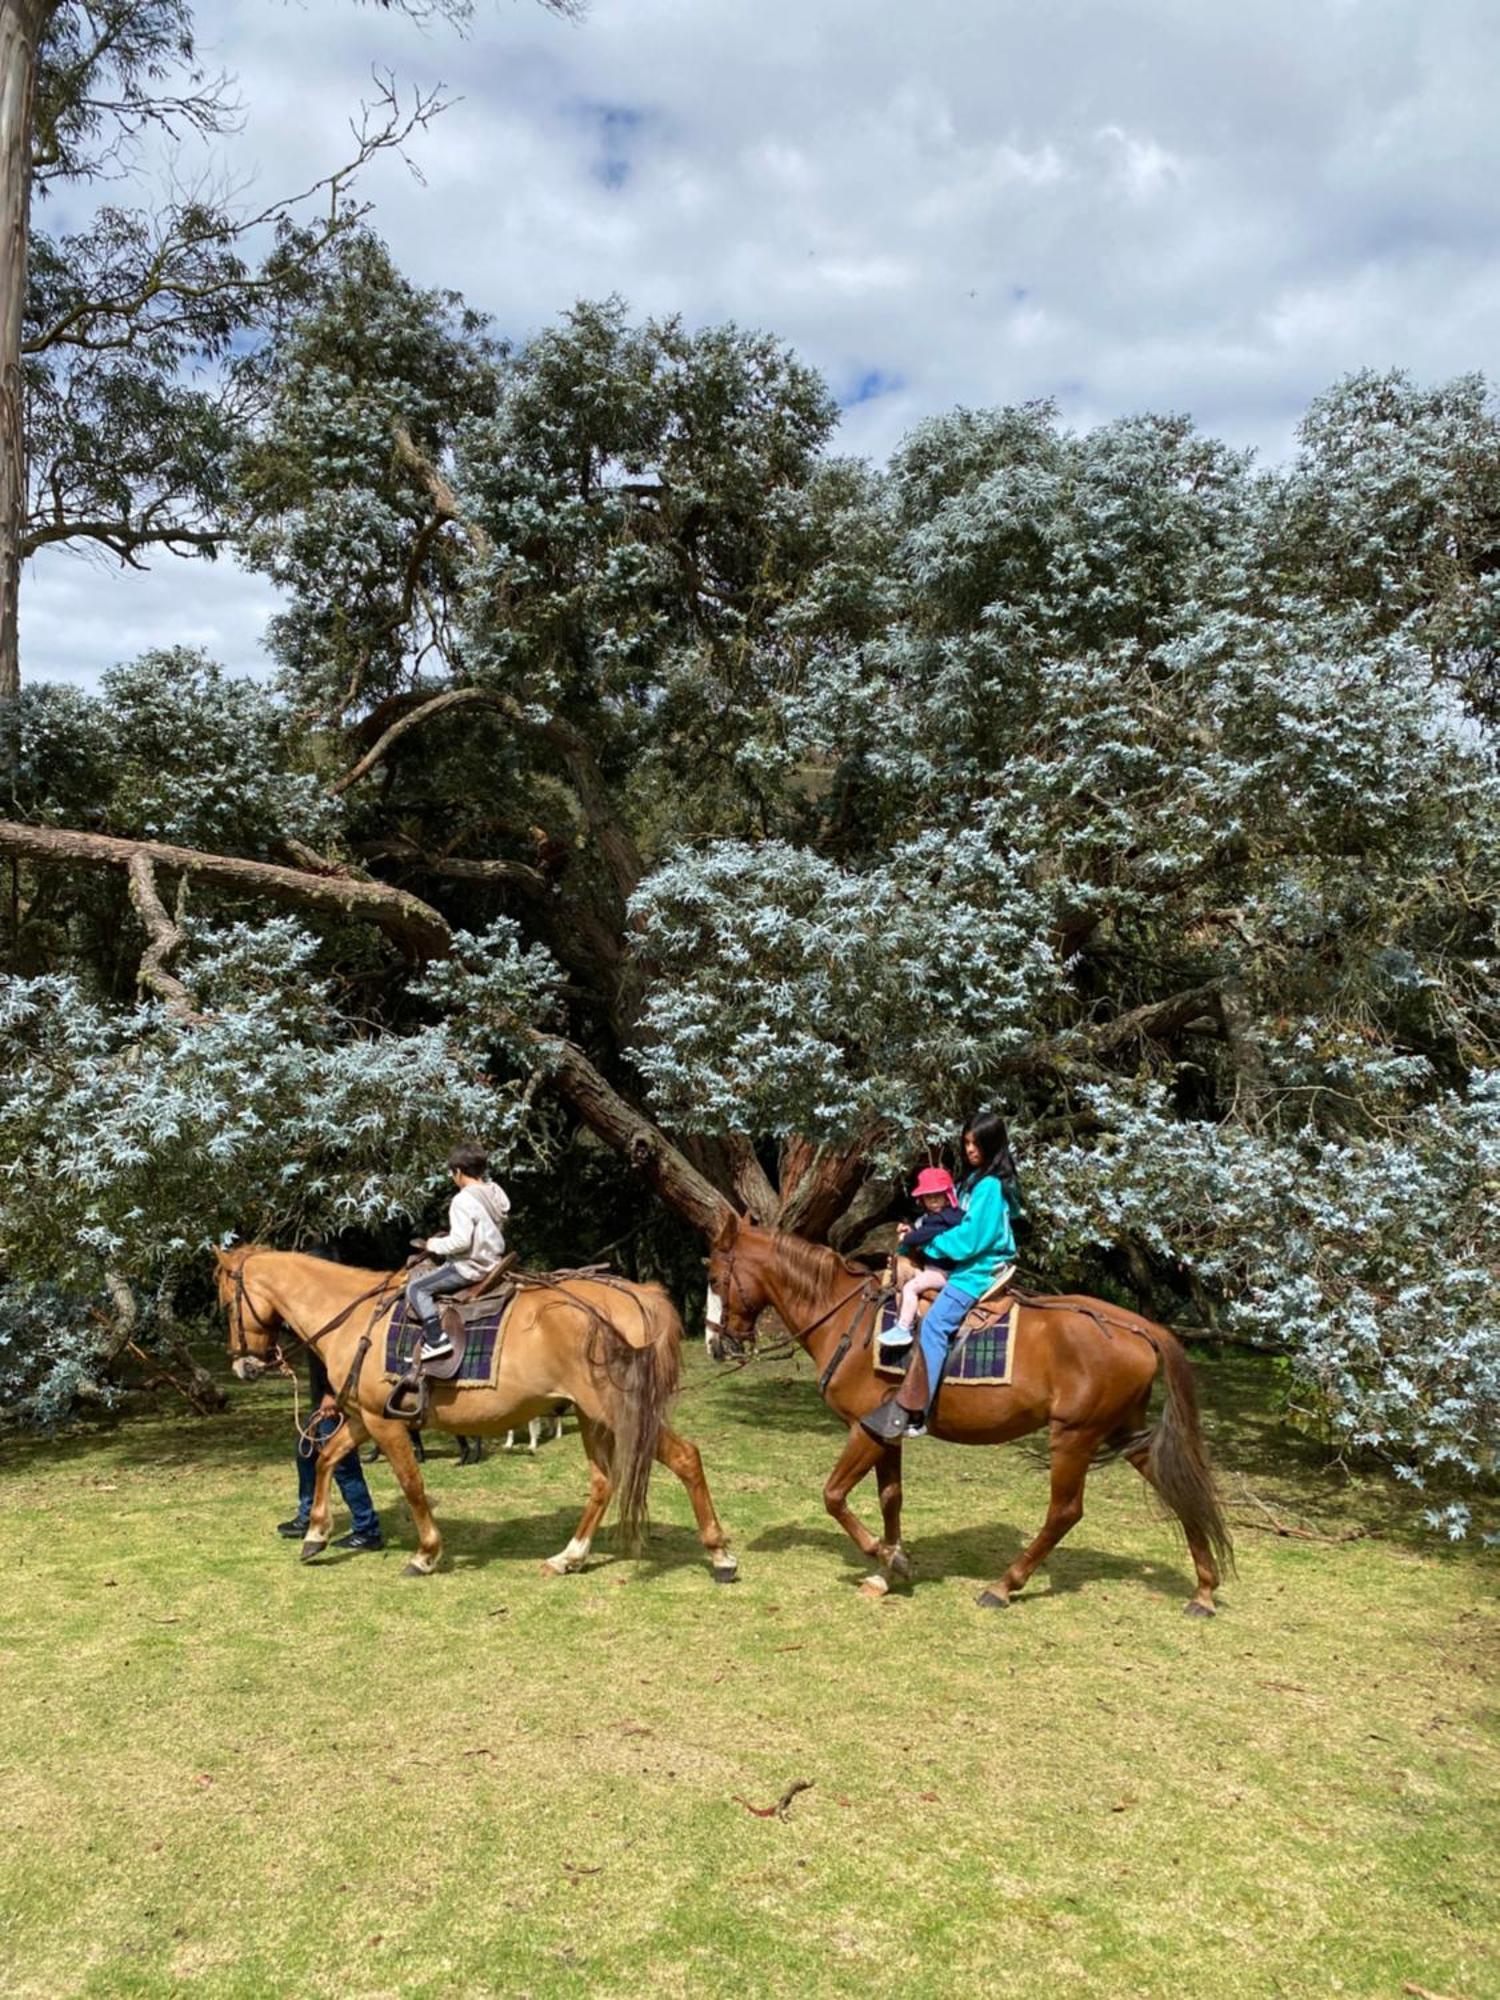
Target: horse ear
[(728, 1229)]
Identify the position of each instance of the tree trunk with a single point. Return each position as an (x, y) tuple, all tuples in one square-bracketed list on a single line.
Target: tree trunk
[(21, 24)]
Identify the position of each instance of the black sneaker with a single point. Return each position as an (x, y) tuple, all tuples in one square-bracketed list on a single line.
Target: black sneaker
[(291, 1531), (358, 1544)]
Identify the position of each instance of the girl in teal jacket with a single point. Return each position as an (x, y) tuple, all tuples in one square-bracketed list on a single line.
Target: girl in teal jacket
[(973, 1251)]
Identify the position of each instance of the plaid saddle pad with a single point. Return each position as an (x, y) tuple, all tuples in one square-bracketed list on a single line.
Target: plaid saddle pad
[(481, 1362), (981, 1354)]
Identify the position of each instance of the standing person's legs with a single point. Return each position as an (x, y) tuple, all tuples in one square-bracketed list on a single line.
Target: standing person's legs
[(307, 1472), (355, 1492)]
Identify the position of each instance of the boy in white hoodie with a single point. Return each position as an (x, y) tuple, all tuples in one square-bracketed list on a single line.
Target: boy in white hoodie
[(475, 1241)]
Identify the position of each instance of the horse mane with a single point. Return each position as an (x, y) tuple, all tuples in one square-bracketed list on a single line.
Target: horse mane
[(812, 1268)]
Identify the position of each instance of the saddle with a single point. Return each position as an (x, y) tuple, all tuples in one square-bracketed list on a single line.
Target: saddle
[(893, 1345), (490, 1293)]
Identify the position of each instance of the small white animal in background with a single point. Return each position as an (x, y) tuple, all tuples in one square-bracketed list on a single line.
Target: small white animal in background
[(534, 1429)]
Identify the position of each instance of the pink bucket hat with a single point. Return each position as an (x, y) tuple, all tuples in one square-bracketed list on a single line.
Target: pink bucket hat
[(933, 1180)]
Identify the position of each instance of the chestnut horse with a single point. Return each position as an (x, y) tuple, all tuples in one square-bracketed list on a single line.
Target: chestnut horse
[(612, 1349), (1080, 1367)]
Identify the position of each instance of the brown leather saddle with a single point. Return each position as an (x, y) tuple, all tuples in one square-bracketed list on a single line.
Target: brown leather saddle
[(490, 1293)]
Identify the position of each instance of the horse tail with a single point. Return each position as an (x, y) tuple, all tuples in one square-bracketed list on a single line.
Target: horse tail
[(644, 1379), (1178, 1458)]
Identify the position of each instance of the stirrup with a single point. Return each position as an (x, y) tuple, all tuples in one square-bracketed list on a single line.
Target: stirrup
[(408, 1400), (892, 1421)]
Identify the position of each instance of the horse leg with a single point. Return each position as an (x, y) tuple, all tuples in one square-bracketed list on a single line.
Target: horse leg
[(895, 1561), (396, 1445), (350, 1434), (1072, 1455), (600, 1488), (859, 1456), (1201, 1603), (683, 1458)]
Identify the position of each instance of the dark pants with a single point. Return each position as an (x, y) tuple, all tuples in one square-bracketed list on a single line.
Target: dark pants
[(426, 1288), (349, 1475)]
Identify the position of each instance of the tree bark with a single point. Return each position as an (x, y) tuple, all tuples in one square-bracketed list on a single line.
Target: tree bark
[(669, 1173), (21, 25), (413, 923)]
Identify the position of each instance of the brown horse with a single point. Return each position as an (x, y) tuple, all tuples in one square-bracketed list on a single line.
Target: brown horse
[(613, 1350), (1083, 1368)]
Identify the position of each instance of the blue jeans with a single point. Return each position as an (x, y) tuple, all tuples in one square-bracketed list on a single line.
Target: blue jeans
[(427, 1287), (351, 1483), (944, 1317)]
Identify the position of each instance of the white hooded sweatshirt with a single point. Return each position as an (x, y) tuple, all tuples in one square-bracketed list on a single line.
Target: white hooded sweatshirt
[(476, 1234)]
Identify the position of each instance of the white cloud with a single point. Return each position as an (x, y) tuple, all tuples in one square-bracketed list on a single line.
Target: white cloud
[(1127, 204)]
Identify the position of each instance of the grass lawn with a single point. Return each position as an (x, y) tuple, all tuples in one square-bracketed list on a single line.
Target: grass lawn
[(225, 1774)]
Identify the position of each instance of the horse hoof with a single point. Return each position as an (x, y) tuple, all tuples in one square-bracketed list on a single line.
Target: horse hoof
[(311, 1550), (554, 1569), (875, 1588), (990, 1600), (414, 1568), (730, 1573), (1194, 1609), (901, 1565)]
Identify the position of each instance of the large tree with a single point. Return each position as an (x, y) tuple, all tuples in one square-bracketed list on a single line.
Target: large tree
[(103, 440)]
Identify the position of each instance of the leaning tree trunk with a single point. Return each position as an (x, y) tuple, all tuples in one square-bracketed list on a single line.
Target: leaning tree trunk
[(21, 23)]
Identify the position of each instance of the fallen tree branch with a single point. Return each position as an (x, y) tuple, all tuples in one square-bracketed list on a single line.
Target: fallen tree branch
[(1274, 1525)]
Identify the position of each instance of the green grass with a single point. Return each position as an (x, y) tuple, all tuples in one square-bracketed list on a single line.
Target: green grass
[(226, 1774)]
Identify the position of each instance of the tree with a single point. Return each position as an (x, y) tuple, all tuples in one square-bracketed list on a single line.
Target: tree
[(102, 440)]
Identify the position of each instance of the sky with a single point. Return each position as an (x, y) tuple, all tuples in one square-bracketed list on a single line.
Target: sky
[(1126, 205)]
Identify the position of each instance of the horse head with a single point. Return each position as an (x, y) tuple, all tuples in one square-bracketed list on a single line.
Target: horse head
[(736, 1292), (254, 1323)]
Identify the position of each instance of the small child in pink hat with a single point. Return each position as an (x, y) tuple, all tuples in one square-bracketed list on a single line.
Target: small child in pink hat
[(935, 1193)]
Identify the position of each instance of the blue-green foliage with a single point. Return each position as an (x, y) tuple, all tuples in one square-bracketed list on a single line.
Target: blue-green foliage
[(133, 1142), (1120, 713)]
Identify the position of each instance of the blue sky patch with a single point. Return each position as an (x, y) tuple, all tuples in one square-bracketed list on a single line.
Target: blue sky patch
[(615, 131), (865, 388)]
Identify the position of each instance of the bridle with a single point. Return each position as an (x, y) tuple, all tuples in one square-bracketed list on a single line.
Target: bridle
[(722, 1331), (242, 1350), (274, 1358)]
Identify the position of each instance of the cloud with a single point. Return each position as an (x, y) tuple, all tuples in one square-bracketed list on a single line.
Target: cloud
[(1126, 204)]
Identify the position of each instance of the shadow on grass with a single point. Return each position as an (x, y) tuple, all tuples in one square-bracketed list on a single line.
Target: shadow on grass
[(987, 1552), (474, 1542), (776, 1403)]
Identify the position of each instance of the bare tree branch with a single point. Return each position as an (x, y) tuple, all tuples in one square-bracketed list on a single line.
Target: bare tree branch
[(164, 938), (413, 923)]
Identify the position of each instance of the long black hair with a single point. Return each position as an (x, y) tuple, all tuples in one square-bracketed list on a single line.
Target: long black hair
[(991, 1134)]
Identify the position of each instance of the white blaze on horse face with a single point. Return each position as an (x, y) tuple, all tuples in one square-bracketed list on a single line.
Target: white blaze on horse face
[(713, 1320)]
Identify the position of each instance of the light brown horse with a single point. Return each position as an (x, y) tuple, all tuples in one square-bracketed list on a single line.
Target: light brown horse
[(1080, 1367), (612, 1349)]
